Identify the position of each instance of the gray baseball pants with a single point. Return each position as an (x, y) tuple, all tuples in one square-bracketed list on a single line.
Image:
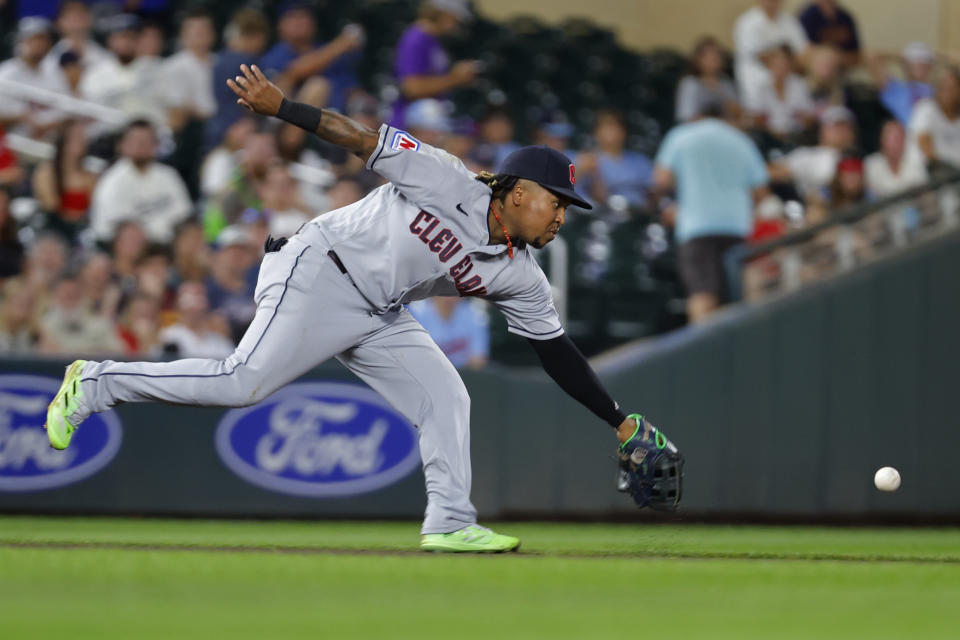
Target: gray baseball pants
[(308, 311)]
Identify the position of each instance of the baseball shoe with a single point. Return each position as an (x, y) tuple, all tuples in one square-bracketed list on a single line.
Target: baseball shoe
[(65, 404), (472, 538)]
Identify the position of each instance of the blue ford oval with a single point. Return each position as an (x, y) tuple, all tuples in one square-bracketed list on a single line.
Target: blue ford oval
[(27, 462), (319, 439)]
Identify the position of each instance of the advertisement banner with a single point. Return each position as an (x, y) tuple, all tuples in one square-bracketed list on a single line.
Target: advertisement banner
[(27, 462), (320, 440)]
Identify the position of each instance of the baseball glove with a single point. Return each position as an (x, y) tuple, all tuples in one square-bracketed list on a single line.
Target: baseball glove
[(651, 468)]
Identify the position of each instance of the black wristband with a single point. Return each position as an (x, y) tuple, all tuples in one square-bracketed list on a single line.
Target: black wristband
[(302, 115), (618, 416)]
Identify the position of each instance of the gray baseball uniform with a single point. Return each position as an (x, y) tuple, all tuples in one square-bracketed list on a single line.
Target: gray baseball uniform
[(424, 234)]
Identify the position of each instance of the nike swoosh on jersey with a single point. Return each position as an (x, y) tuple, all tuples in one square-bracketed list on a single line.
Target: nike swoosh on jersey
[(460, 209)]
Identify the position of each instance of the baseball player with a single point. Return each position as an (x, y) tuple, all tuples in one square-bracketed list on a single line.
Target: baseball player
[(338, 286)]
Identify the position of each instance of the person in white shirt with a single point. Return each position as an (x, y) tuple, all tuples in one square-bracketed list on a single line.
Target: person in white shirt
[(935, 124), (196, 334), (889, 170), (138, 188), (757, 30), (281, 201), (707, 82), (74, 22), (25, 117), (782, 104), (125, 81), (186, 77), (69, 326), (812, 169)]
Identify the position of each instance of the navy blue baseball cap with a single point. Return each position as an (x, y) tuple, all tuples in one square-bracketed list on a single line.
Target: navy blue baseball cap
[(547, 167)]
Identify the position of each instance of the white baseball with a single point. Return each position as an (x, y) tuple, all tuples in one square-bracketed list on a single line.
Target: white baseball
[(887, 479)]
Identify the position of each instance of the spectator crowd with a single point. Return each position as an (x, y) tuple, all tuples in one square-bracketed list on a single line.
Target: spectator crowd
[(136, 195)]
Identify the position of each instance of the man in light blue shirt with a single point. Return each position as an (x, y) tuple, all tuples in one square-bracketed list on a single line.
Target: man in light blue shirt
[(717, 172)]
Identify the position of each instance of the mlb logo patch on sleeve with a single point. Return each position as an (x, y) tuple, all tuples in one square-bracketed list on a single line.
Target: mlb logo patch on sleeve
[(403, 140)]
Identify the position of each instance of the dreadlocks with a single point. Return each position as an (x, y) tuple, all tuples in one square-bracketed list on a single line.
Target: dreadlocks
[(500, 183)]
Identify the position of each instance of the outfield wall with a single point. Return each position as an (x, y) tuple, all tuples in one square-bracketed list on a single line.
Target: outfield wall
[(783, 409)]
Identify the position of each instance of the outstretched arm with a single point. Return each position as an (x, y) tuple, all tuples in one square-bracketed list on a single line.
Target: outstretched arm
[(259, 95), (319, 60), (650, 466), (570, 370)]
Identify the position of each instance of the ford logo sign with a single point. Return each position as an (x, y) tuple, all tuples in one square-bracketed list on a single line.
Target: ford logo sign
[(319, 440), (27, 462)]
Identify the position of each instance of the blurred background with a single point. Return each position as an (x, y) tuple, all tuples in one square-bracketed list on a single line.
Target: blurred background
[(769, 271)]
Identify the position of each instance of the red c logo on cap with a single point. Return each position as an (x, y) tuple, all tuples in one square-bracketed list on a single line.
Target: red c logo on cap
[(573, 175)]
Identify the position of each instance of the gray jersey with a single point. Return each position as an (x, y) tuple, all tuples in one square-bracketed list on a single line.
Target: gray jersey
[(425, 234)]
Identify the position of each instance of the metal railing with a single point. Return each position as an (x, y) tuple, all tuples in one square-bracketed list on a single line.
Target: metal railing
[(38, 150), (63, 102), (852, 236)]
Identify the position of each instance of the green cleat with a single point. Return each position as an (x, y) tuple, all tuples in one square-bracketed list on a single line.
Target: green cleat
[(472, 538), (65, 403)]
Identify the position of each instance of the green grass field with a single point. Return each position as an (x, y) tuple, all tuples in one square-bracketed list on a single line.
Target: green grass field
[(120, 578)]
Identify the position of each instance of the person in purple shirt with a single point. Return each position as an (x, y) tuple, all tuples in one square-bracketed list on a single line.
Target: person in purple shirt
[(827, 23), (322, 73), (421, 65)]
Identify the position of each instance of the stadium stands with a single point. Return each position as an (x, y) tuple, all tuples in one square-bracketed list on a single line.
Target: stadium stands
[(622, 281)]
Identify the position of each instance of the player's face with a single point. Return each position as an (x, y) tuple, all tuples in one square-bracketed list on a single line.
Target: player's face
[(541, 214)]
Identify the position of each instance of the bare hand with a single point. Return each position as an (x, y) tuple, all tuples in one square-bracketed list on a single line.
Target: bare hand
[(586, 163), (465, 71), (626, 430), (352, 37), (668, 216), (255, 92)]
